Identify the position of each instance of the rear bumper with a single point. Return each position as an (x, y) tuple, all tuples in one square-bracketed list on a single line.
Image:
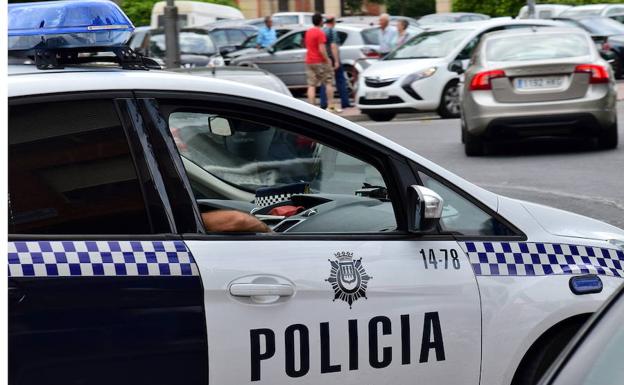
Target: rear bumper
[(483, 115), (564, 126)]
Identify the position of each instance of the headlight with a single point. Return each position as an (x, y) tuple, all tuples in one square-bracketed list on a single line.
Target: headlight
[(618, 243), (419, 75)]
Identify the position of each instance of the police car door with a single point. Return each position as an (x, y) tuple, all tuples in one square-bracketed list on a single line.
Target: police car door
[(339, 292)]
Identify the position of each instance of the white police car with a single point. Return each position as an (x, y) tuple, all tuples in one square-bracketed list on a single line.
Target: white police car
[(382, 267)]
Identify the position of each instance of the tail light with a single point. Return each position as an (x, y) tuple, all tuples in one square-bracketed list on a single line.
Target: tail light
[(597, 73), (483, 80), (370, 53)]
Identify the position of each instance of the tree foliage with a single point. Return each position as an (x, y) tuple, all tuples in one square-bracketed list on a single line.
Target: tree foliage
[(412, 8), (139, 11), (510, 7)]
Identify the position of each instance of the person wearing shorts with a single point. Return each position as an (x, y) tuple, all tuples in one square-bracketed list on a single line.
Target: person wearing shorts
[(318, 64)]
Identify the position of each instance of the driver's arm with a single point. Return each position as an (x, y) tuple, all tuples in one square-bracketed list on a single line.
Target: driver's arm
[(233, 221)]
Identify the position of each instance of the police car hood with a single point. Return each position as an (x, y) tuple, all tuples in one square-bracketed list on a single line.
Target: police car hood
[(385, 69), (567, 224)]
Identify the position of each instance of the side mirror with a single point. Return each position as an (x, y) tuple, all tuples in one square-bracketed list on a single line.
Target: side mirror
[(457, 67), (271, 49), (425, 209), (219, 126)]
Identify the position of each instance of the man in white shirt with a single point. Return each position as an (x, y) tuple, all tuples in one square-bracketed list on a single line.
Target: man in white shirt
[(387, 35)]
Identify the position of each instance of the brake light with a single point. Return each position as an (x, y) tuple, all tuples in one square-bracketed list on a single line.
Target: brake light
[(483, 80), (597, 73), (370, 53)]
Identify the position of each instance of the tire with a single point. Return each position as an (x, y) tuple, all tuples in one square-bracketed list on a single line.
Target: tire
[(543, 354), (381, 116), (608, 138), (473, 145), (352, 77), (449, 101)]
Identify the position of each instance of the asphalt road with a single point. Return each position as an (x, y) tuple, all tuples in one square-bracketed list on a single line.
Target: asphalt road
[(569, 175)]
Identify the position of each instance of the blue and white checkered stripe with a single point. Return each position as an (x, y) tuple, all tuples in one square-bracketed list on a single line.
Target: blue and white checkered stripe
[(100, 258), (533, 259)]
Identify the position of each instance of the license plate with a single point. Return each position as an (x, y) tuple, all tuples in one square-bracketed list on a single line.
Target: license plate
[(376, 95), (538, 83)]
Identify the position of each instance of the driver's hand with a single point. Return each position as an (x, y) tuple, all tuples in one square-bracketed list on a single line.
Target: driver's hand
[(221, 221)]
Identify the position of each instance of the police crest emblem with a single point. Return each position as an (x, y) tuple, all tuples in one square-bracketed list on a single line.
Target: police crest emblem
[(348, 277)]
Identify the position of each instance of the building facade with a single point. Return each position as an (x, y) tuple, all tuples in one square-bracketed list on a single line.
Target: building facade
[(260, 8)]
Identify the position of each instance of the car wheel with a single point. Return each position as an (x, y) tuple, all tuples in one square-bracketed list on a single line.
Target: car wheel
[(473, 144), (608, 138), (449, 102), (463, 131), (352, 78), (544, 355), (381, 116)]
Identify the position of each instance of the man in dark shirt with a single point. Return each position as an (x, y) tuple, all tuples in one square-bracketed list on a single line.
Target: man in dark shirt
[(332, 47)]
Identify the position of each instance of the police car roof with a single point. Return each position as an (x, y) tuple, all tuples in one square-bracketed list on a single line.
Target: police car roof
[(31, 81)]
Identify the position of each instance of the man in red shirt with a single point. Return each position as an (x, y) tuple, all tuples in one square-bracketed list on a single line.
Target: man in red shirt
[(318, 65)]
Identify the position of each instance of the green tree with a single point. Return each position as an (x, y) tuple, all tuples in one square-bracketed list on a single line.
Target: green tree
[(412, 8), (139, 11), (510, 7)]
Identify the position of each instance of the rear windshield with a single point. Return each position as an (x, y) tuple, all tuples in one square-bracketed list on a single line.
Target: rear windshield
[(190, 43), (536, 47)]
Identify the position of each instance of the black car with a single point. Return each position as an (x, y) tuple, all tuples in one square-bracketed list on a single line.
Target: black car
[(595, 355), (197, 45), (608, 35)]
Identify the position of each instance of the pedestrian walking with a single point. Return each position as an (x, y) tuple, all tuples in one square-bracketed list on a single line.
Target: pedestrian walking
[(333, 50), (403, 35), (266, 34), (318, 65), (387, 35)]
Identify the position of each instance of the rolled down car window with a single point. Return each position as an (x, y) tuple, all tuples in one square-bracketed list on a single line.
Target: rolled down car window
[(536, 47)]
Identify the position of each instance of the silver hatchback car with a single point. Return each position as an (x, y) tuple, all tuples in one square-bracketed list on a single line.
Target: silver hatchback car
[(538, 82)]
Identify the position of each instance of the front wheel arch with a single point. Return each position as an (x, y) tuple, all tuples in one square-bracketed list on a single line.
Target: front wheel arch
[(545, 350)]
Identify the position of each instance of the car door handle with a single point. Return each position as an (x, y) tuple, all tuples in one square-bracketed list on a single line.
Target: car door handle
[(260, 289)]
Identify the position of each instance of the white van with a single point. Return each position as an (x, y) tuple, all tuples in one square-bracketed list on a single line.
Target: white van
[(194, 13), (543, 11)]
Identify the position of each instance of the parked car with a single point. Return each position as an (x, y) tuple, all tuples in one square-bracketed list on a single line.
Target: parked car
[(198, 46), (246, 75), (451, 17), (301, 18), (538, 82), (543, 11), (249, 45), (619, 17), (593, 355), (194, 13), (285, 58), (374, 20), (593, 10), (415, 76), (608, 35)]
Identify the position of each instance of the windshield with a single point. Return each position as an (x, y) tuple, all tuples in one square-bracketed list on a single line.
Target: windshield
[(431, 44), (434, 19), (536, 47), (250, 155), (579, 11), (602, 26), (190, 43)]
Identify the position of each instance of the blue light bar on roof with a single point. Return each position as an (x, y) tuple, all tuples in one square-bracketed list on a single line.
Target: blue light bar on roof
[(67, 24)]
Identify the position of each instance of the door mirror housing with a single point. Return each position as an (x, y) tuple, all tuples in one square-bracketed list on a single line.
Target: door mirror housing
[(425, 209), (271, 49), (457, 67)]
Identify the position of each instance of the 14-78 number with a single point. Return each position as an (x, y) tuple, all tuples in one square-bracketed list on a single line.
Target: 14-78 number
[(445, 258)]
